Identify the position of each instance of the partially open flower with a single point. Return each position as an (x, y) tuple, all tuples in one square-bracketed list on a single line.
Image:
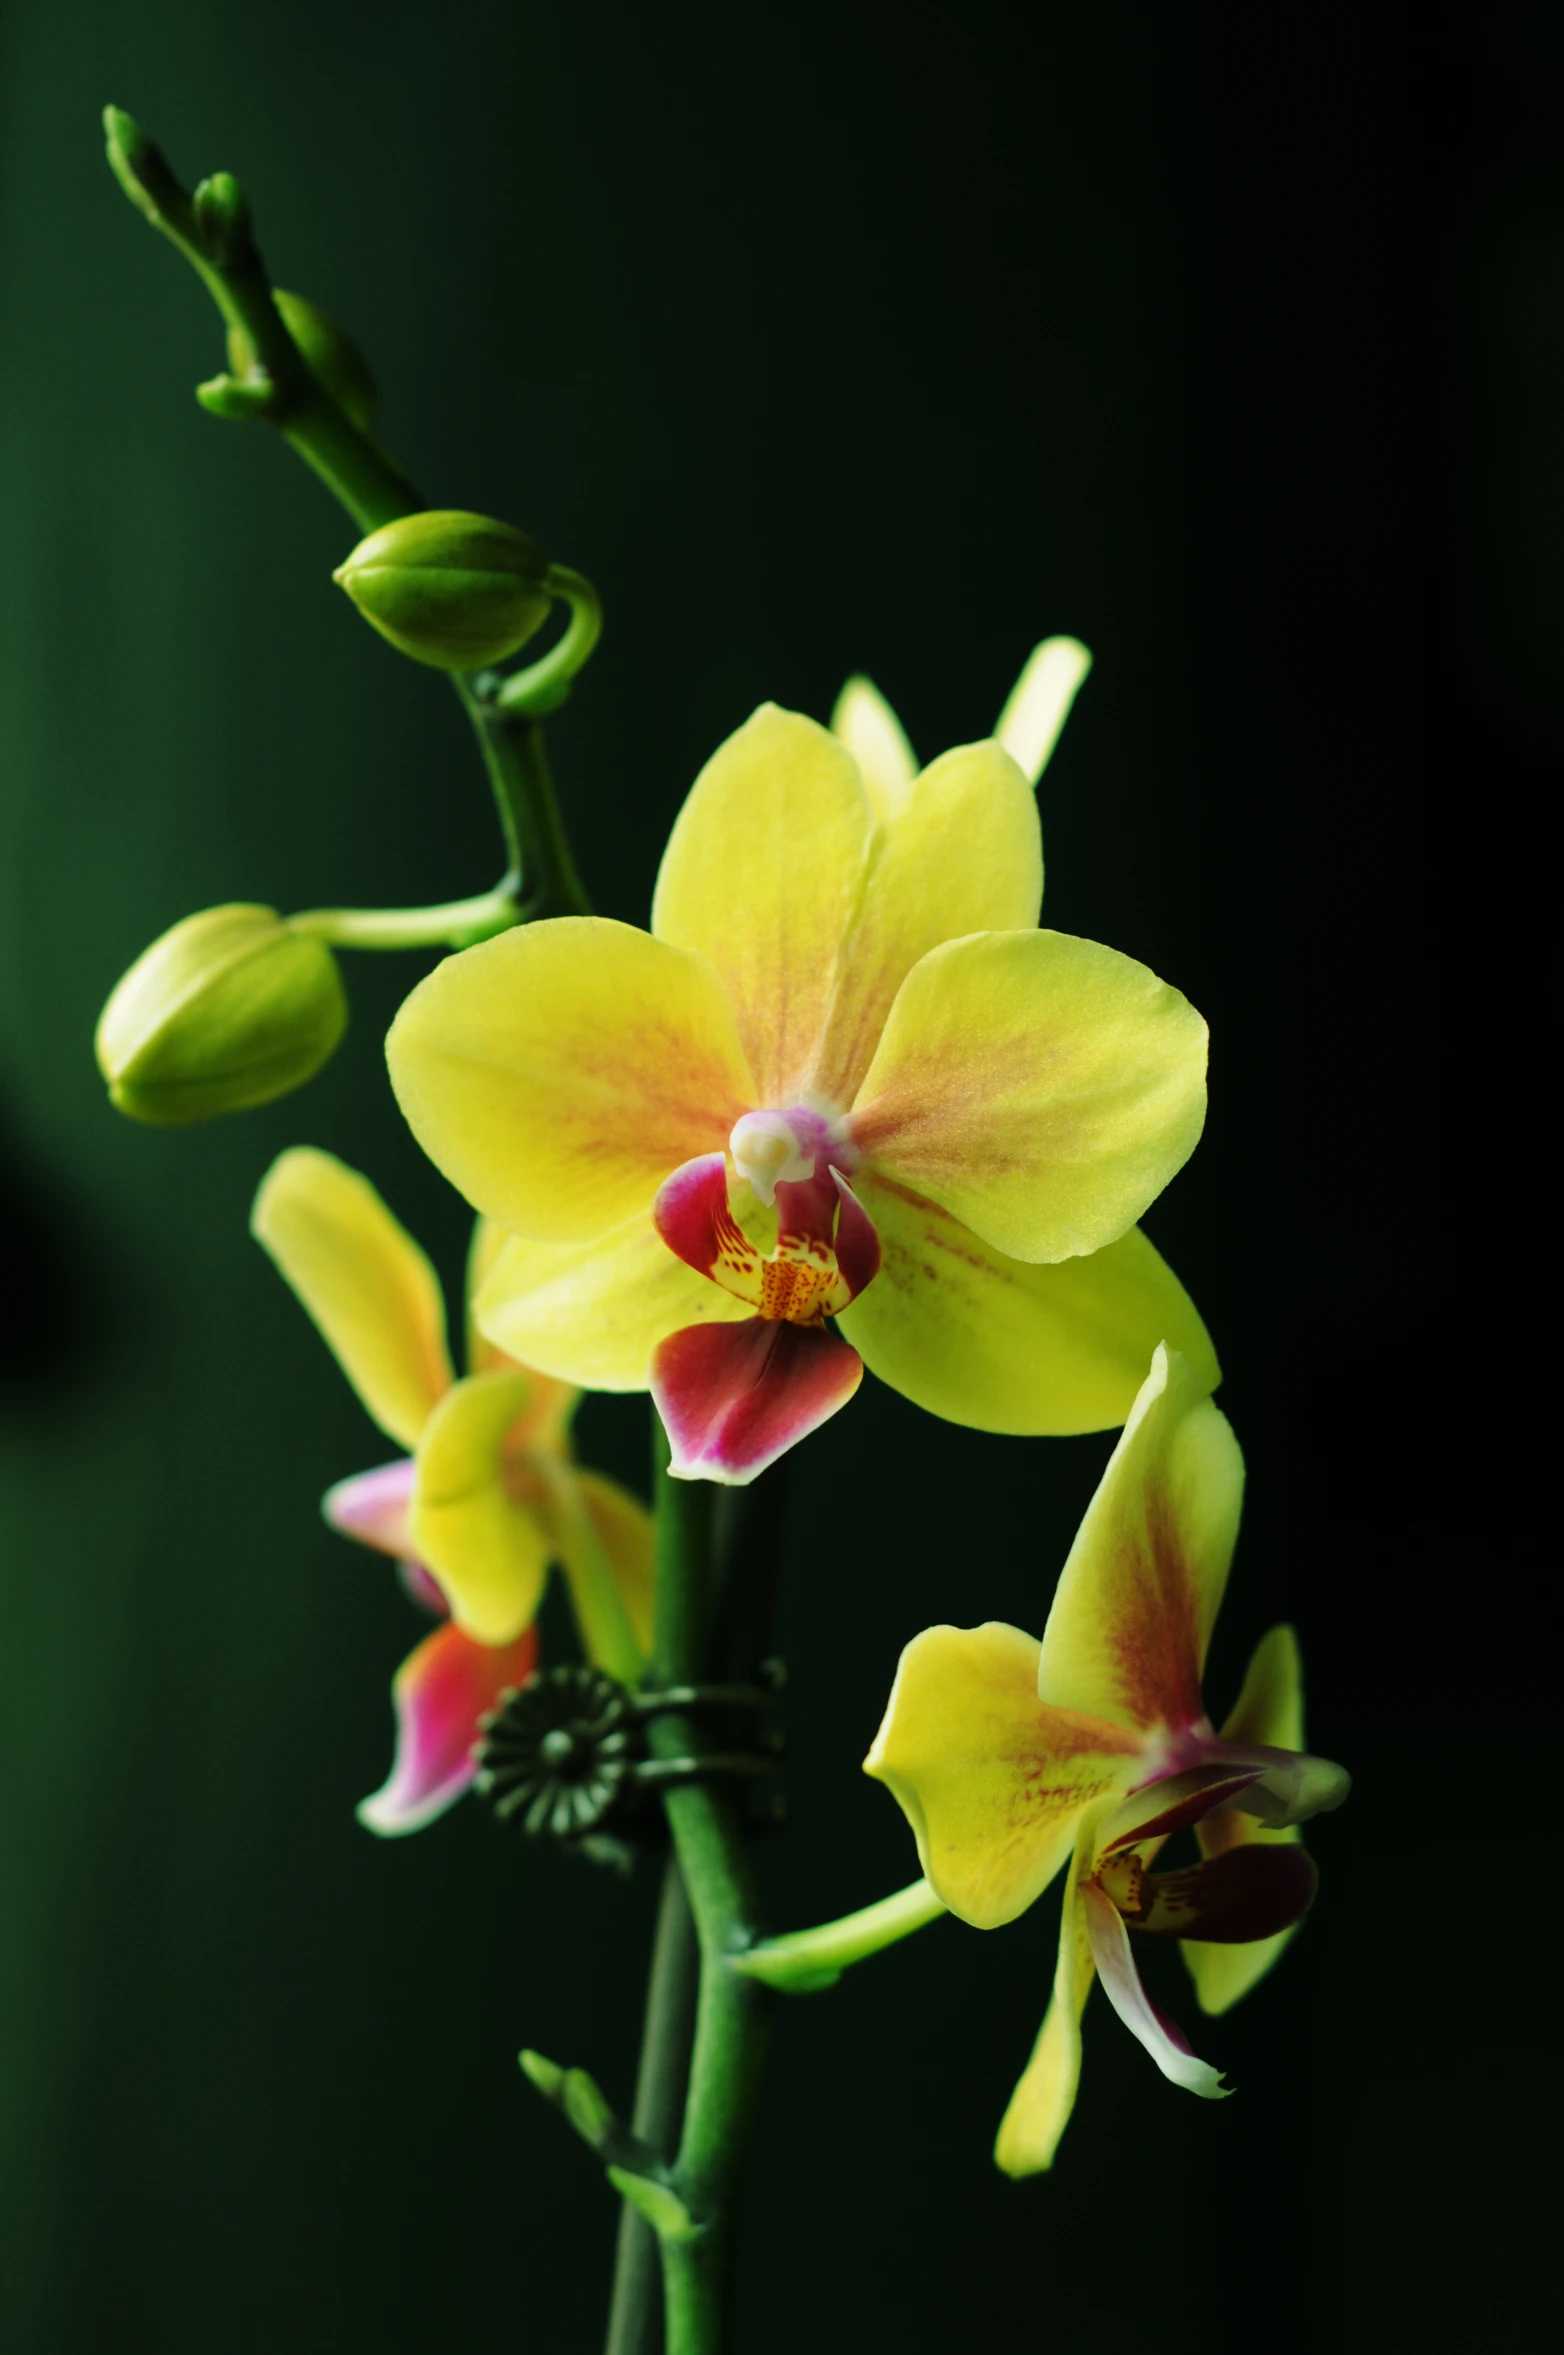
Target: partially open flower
[(488, 1500), (1012, 1758), (229, 1009)]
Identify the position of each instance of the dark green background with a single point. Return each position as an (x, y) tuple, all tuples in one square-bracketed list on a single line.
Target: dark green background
[(868, 335)]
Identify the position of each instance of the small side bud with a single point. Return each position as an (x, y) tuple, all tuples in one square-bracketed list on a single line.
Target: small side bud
[(229, 1009), (332, 358), (452, 589), (238, 398), (222, 219), (140, 166)]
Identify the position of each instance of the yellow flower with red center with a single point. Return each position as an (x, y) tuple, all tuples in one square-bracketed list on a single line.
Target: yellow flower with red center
[(488, 1499), (845, 1075), (1012, 1759)]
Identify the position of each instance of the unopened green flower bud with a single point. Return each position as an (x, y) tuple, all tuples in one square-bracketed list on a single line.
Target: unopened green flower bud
[(456, 590), (229, 1009), (332, 358)]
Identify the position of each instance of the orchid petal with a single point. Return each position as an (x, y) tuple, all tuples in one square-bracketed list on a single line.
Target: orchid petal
[(594, 1312), (1136, 1600), (1172, 1803), (992, 1783), (1040, 1088), (558, 1072), (490, 1553), (693, 1217), (1039, 2109), (999, 1345), (875, 737), (420, 1585), (762, 874), (363, 1280), (553, 1402), (439, 1693), (1121, 1983), (963, 853), (735, 1397), (1039, 703), (372, 1507)]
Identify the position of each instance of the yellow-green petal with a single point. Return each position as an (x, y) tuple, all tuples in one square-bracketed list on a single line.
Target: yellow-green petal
[(1137, 1599), (489, 1551), (364, 1281), (762, 875), (592, 1313), (992, 1782), (1042, 1089), (961, 852), (1039, 703), (1003, 1346), (557, 1073), (1268, 1711), (1044, 2097), (875, 737)]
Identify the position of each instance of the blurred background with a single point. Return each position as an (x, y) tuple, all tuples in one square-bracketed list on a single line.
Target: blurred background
[(861, 335)]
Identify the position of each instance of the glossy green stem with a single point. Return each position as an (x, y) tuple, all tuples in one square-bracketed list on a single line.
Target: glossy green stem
[(455, 923), (732, 2012), (802, 1962), (635, 2322)]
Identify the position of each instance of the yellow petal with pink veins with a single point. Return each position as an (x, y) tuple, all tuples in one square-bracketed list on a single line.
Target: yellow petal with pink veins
[(594, 1312), (762, 875), (1043, 1089), (992, 1782), (489, 1551), (363, 1280), (963, 852), (1269, 1710), (1137, 1598), (875, 737), (1003, 1346), (558, 1072), (1040, 2106)]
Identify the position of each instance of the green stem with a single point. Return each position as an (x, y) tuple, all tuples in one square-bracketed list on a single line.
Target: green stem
[(732, 2012), (543, 685), (523, 785), (804, 1961), (456, 923), (635, 2325)]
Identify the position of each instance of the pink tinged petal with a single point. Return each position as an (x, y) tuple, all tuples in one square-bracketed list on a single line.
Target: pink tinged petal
[(1110, 1945), (1172, 1804), (735, 1397), (1230, 1900), (857, 1242), (373, 1507), (694, 1218), (439, 1693), (421, 1586)]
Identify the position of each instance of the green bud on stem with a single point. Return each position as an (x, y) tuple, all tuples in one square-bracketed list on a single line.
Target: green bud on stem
[(229, 1009), (456, 590)]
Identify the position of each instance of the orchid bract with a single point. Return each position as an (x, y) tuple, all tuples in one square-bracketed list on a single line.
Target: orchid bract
[(843, 1103)]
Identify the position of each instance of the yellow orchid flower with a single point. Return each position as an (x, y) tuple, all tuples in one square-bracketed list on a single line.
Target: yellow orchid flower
[(489, 1497), (1009, 1757), (845, 1075)]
